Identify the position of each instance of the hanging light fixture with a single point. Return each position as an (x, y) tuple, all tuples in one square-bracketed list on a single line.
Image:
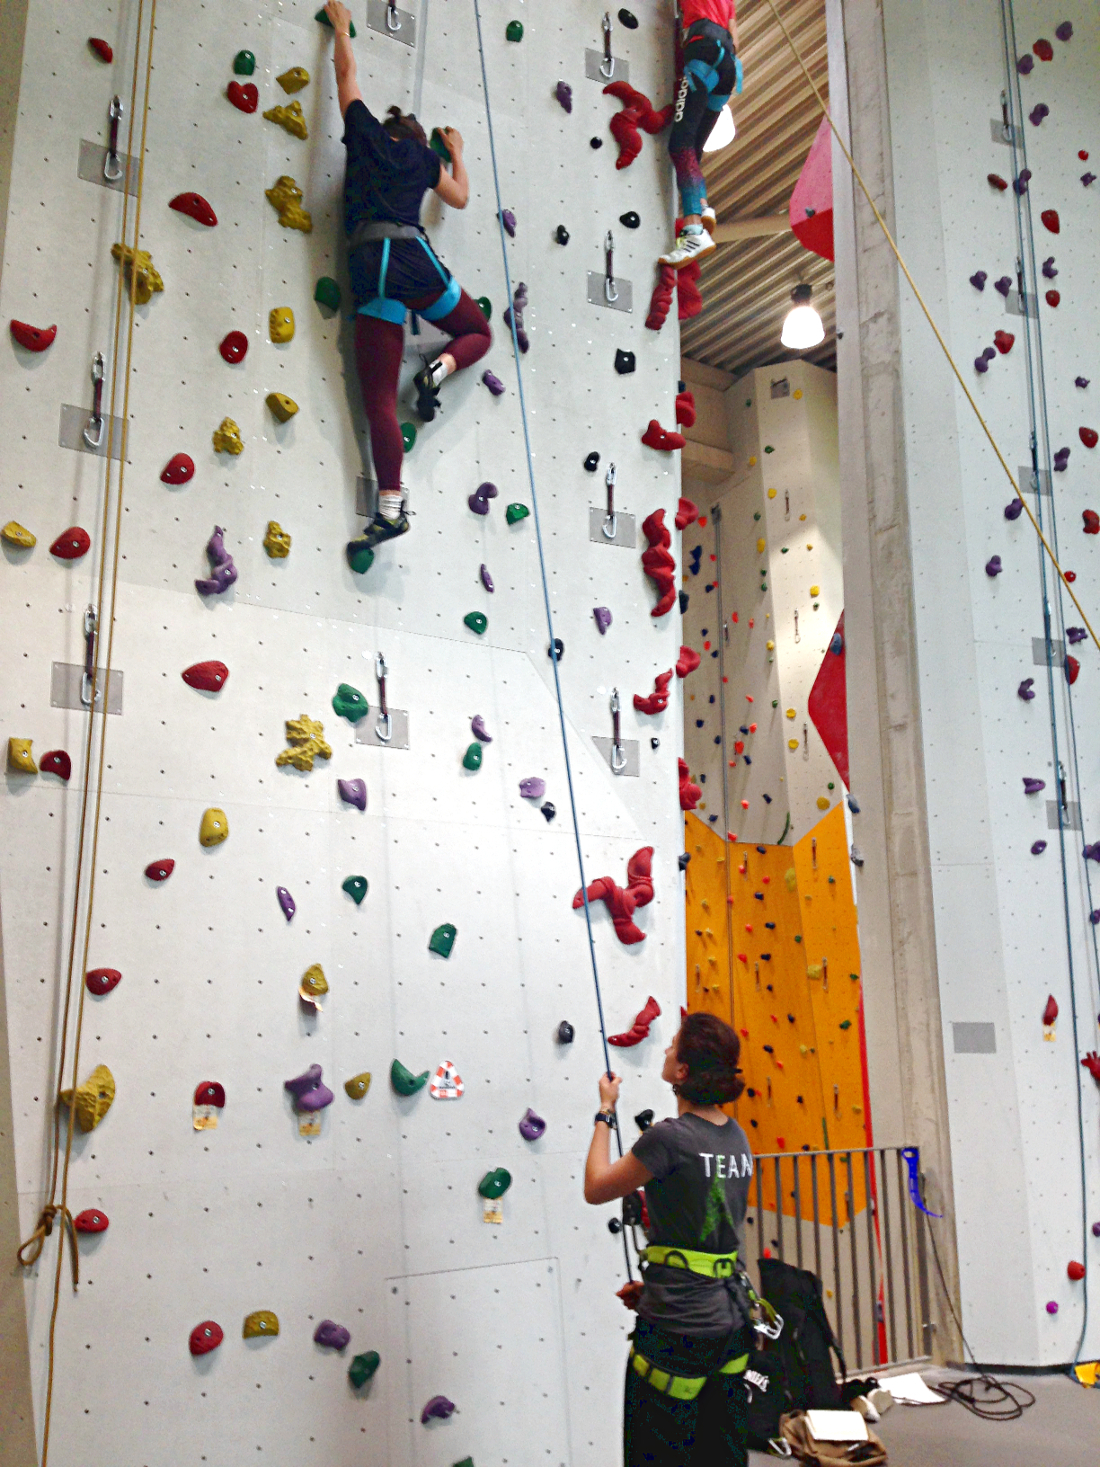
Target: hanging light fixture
[(802, 328), (722, 133)]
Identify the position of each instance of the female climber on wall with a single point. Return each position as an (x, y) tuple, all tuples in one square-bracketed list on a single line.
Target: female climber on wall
[(708, 72), (685, 1394), (393, 268)]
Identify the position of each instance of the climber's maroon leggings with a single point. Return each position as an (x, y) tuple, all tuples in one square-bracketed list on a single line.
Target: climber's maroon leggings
[(378, 349)]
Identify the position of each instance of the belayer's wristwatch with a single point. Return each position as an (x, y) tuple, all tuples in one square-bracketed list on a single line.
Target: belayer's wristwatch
[(608, 1118)]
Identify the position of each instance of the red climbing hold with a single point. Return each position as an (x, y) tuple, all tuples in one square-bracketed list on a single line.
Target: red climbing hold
[(1070, 576), (160, 870), (689, 300), (1092, 521), (686, 514), (661, 298), (624, 129), (1044, 50), (645, 115), (1004, 341), (56, 761), (195, 207), (209, 676), (179, 468), (1051, 220), (1089, 437), (91, 1220), (101, 49), (690, 794), (1050, 1013), (997, 181), (71, 544), (33, 338), (1075, 1271), (1073, 668), (657, 701), (210, 1092), (101, 980), (621, 902), (685, 409), (687, 662), (663, 438), (639, 1030), (205, 1337), (244, 96), (234, 347), (1091, 1062), (658, 563)]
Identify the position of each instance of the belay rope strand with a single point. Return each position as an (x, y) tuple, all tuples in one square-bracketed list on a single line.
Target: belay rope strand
[(545, 586), (31, 1250)]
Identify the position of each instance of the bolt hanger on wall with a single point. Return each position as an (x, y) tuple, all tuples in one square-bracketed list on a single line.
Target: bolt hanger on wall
[(390, 730), (605, 289), (602, 65), (384, 16)]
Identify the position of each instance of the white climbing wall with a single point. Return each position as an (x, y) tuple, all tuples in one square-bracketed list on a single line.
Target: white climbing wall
[(376, 1222), (1025, 1196)]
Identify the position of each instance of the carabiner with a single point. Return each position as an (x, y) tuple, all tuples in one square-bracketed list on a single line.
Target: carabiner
[(383, 728), (618, 753), (797, 633), (93, 429), (607, 65), (391, 16), (114, 113), (89, 656), (611, 523), (610, 289)]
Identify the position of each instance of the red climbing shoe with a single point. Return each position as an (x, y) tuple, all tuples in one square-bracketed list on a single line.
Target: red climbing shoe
[(657, 437), (688, 247)]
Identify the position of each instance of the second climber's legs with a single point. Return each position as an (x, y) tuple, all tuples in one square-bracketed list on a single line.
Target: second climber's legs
[(703, 90), (471, 339)]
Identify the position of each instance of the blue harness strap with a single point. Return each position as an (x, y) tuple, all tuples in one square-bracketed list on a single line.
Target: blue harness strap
[(452, 291), (392, 310)]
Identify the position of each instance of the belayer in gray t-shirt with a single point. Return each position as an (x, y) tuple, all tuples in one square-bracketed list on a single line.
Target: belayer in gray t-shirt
[(685, 1395)]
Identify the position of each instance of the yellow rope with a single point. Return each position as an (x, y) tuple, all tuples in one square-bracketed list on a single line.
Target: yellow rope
[(928, 317)]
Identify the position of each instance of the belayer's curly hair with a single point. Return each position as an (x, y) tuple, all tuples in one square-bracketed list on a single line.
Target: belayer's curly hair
[(403, 125), (711, 1050)]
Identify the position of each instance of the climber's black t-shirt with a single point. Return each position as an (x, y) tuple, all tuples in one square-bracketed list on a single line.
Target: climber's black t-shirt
[(385, 179), (697, 1199)]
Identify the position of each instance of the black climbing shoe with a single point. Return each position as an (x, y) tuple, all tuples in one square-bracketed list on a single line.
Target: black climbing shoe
[(380, 529), (427, 393)]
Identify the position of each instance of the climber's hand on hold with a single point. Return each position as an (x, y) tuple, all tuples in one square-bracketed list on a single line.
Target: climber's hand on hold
[(454, 141), (609, 1091), (454, 187), (339, 15), (631, 1293)]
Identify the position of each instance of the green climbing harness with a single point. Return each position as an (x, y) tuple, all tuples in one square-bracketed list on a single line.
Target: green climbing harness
[(680, 1387)]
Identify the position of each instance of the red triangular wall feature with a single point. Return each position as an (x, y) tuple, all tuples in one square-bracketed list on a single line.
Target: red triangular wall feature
[(828, 705)]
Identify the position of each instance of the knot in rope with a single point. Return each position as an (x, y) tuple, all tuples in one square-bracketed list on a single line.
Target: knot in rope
[(30, 1252)]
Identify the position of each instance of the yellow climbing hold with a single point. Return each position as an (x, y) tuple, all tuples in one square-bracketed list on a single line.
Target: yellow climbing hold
[(801, 516), (293, 80), (280, 324), (815, 590), (797, 394), (276, 541), (91, 1101), (822, 802), (314, 984), (14, 533), (306, 744), (771, 493), (20, 758), (262, 1322), (282, 407), (138, 263), (809, 547), (771, 646), (790, 877), (814, 971), (227, 438), (213, 828), (752, 462), (358, 1085), (761, 546), (790, 713), (803, 1049), (286, 197), (291, 118), (792, 744)]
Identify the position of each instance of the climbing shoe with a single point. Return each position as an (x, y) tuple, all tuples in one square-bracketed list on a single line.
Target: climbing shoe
[(688, 247), (427, 382), (381, 529)]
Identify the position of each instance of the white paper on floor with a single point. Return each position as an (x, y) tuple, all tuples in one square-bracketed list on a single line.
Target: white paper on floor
[(910, 1390)]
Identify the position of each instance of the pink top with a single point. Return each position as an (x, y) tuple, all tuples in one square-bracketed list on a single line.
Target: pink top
[(719, 11)]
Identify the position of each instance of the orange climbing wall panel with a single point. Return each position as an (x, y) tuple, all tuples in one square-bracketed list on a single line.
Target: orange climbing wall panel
[(707, 946)]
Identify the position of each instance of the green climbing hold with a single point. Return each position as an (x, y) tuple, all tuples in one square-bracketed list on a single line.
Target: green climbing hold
[(466, 1462), (798, 935), (442, 939), (349, 703), (244, 63), (768, 448), (408, 436), (327, 293), (756, 516), (472, 757), (775, 702), (404, 1081), (323, 18), (494, 1184), (360, 555), (355, 886), (516, 512), (477, 621), (438, 144), (846, 1023), (514, 31), (486, 306), (363, 1367)]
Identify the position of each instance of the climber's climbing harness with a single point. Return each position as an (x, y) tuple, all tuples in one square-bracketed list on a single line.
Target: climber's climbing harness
[(112, 167), (381, 306), (393, 20), (87, 691), (611, 522), (680, 1387), (607, 65), (384, 727), (93, 429), (724, 1266), (618, 753), (610, 289)]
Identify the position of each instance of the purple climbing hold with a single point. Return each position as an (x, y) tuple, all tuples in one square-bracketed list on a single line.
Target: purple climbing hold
[(493, 383), (1004, 285), (1049, 271), (532, 788), (564, 93), (478, 729), (1036, 115), (486, 579), (1033, 786), (1038, 847), (989, 353), (515, 313), (1014, 509), (353, 792), (1065, 30), (1025, 690), (1061, 461), (1075, 635), (1087, 178), (532, 1126), (222, 570), (335, 1336), (439, 1407), (978, 279), (548, 811), (1022, 182), (1080, 381), (1052, 1306), (1026, 64), (980, 364), (1094, 918), (286, 901), (479, 499), (309, 1092), (1092, 853), (993, 566), (508, 219), (603, 618)]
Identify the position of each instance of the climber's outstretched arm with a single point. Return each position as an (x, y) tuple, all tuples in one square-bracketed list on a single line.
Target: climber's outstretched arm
[(454, 187), (347, 82)]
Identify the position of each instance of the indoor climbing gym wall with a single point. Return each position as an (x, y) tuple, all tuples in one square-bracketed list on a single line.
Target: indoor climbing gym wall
[(296, 931), (995, 147)]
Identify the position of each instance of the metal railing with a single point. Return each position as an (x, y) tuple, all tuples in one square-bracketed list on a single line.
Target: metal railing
[(848, 1217)]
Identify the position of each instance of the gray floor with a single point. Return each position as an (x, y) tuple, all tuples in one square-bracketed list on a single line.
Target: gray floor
[(1062, 1429)]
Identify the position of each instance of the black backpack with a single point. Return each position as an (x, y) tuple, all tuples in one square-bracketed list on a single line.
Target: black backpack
[(794, 1372)]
